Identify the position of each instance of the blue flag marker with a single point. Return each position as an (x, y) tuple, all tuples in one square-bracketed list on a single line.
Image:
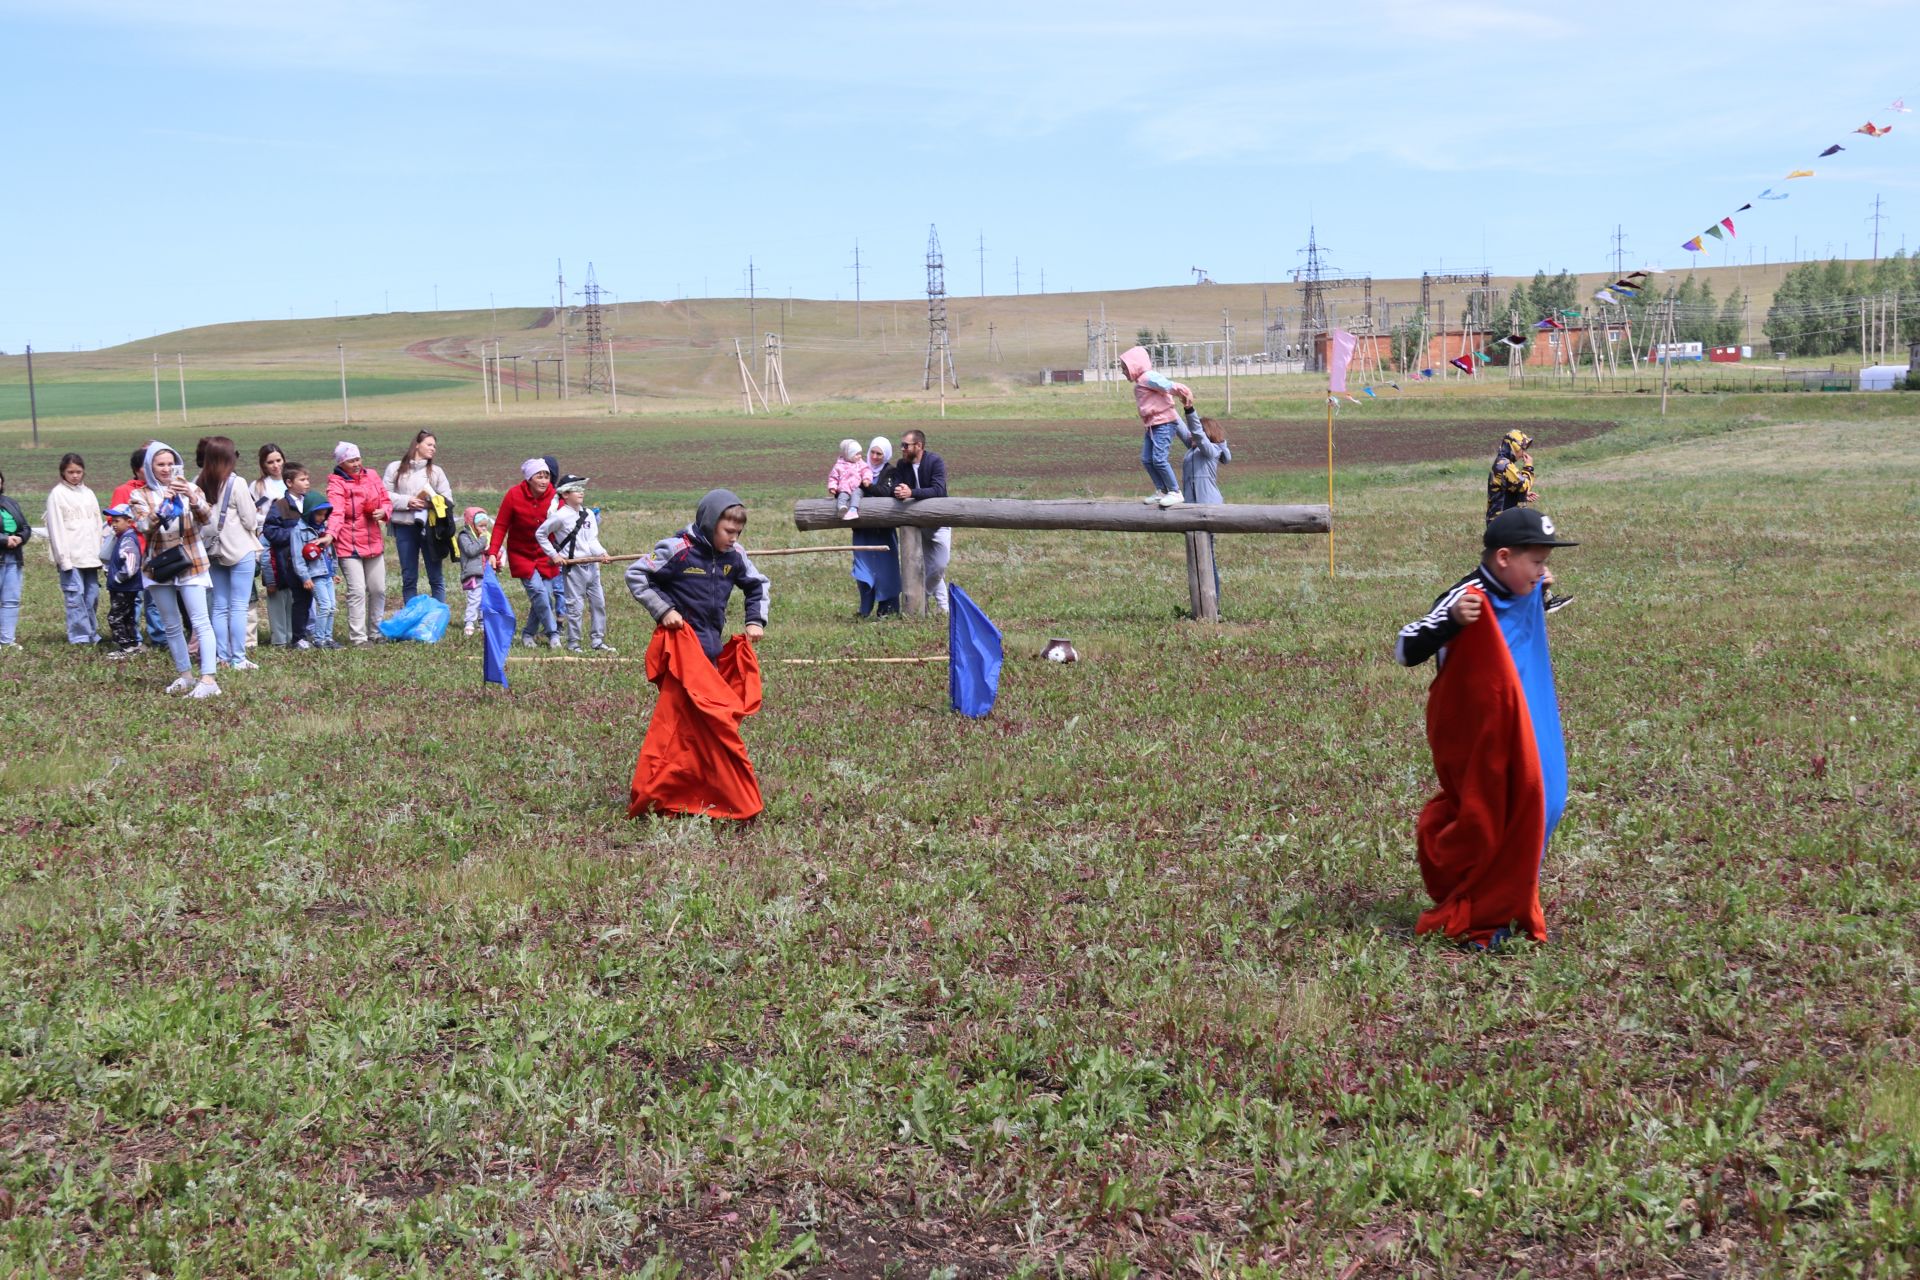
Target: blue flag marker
[(974, 655), (498, 623)]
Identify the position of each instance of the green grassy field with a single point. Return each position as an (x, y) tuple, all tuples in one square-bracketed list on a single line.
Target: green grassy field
[(361, 969), (100, 399)]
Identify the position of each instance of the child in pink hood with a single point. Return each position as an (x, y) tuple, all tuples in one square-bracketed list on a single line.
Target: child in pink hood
[(1161, 402), (849, 476)]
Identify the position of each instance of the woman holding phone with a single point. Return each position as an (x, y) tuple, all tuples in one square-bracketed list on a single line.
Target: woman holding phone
[(169, 511)]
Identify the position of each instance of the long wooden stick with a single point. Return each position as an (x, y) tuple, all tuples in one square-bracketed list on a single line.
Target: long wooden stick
[(774, 551), (823, 662)]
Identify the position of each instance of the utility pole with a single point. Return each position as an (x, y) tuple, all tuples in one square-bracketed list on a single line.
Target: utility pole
[(1043, 281), (341, 348), (752, 324), (33, 401), (1016, 277), (1876, 220), (983, 264), (1226, 332), (180, 364), (856, 287), (559, 285), (156, 393)]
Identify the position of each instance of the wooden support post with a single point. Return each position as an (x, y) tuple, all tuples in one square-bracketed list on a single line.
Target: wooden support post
[(913, 573), (1200, 589)]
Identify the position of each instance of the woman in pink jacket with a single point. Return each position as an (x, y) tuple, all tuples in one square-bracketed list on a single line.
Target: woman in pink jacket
[(361, 505)]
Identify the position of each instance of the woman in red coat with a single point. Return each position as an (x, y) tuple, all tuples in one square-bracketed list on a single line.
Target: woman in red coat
[(361, 505), (524, 509)]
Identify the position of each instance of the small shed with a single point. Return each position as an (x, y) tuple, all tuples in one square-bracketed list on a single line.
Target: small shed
[(1882, 377)]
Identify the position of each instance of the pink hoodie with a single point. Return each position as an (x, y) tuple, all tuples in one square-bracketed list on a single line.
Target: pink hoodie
[(1158, 398)]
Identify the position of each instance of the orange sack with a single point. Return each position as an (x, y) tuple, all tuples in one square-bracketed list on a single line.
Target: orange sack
[(1481, 837), (694, 759)]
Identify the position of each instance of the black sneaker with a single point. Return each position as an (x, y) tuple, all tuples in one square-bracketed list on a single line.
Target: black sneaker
[(1558, 602)]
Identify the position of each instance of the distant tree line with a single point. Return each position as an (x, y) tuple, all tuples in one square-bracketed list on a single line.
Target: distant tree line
[(1817, 310)]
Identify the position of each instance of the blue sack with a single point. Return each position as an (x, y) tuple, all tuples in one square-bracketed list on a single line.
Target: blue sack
[(422, 618)]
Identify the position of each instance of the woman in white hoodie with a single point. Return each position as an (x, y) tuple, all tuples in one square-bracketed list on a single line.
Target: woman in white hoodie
[(412, 482), (73, 541), (232, 542)]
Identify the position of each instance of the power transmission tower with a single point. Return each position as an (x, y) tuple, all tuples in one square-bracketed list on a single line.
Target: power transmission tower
[(560, 283), (597, 379), (983, 264), (1016, 277), (939, 341), (1619, 251), (856, 288), (1876, 220), (993, 344)]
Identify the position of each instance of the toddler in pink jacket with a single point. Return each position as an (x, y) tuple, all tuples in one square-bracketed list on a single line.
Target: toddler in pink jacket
[(850, 474), (1160, 401)]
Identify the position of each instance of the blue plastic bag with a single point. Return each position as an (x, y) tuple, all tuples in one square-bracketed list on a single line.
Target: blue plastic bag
[(422, 618)]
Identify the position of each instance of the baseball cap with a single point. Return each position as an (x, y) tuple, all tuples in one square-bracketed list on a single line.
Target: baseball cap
[(1522, 527), (122, 511)]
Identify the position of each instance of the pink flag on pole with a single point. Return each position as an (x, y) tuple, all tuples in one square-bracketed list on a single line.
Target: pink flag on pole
[(1339, 356)]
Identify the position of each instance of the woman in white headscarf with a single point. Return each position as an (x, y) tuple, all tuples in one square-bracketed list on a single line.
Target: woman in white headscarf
[(878, 573), (170, 513)]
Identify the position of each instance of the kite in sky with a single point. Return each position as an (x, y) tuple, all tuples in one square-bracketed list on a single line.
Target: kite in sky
[(1836, 147), (1799, 173), (1900, 105), (1873, 130)]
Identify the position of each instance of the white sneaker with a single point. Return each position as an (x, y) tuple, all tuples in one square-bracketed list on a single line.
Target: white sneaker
[(205, 689), (607, 649), (851, 513), (1170, 500), (242, 664), (553, 641), (1158, 494), (526, 642), (182, 685), (469, 628)]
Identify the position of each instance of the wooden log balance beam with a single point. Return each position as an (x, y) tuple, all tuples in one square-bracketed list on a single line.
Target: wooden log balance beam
[(1197, 521)]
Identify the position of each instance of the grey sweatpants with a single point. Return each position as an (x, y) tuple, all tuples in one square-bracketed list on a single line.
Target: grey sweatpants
[(583, 593)]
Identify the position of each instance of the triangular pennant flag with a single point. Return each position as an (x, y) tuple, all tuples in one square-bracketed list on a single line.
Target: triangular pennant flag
[(1799, 173), (1900, 105), (1426, 373), (1728, 224), (1549, 323), (1715, 232), (1602, 295), (1769, 194), (1873, 130), (1368, 393), (1693, 245), (1394, 385), (1480, 357), (974, 656), (1636, 275), (496, 618), (1743, 208), (1569, 315), (1351, 400), (1624, 286), (1461, 363), (1515, 340), (1832, 150)]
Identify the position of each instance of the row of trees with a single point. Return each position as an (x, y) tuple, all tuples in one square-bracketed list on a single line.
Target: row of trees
[(1819, 308)]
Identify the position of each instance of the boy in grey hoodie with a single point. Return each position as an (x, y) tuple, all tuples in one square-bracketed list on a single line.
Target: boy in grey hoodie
[(688, 578), (571, 539)]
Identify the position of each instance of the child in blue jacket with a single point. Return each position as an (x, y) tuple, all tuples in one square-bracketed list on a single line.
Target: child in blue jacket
[(313, 565)]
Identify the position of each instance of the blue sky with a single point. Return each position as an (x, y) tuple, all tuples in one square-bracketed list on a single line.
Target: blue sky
[(209, 160)]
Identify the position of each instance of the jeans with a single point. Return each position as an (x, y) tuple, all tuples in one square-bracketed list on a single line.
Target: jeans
[(366, 595), (410, 540), (1153, 456), (9, 599), (321, 628), (540, 616), (231, 583), (156, 629), (171, 600), (81, 587)]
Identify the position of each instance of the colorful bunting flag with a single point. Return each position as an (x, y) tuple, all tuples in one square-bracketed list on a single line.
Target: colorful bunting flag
[(1426, 373), (1769, 194), (1515, 340), (1368, 393), (1635, 275), (1693, 245), (1728, 224), (1873, 130), (1835, 149), (1351, 400), (1602, 295), (1743, 208), (1340, 346), (1799, 173), (1569, 315), (1461, 363), (1715, 232), (1900, 105), (1549, 323)]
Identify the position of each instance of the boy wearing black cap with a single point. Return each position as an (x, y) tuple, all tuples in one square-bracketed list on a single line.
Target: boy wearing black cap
[(1493, 724)]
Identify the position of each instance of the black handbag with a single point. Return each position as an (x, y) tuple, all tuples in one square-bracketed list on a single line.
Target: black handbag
[(168, 565)]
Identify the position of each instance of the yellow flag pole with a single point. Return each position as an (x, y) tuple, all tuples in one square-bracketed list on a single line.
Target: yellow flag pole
[(1329, 484)]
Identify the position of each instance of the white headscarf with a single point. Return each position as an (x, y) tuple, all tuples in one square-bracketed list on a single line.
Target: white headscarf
[(884, 445)]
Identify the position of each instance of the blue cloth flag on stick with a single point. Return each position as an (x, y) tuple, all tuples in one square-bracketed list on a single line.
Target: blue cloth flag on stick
[(974, 656), (498, 623)]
